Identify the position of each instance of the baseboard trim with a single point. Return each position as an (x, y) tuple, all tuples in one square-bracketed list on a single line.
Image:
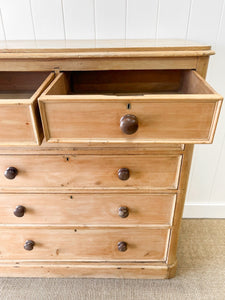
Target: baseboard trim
[(144, 270), (204, 210)]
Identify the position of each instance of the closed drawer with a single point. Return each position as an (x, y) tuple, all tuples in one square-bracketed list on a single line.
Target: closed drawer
[(84, 244), (19, 115), (87, 209), (90, 171), (122, 107)]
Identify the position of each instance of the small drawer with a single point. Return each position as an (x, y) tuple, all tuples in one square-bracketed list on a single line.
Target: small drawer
[(19, 115), (128, 107), (88, 172), (80, 244), (87, 209)]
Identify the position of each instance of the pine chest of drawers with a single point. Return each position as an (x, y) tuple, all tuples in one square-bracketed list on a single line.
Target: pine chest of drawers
[(95, 151)]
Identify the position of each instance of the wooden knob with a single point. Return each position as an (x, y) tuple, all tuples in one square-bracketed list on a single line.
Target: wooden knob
[(29, 245), (11, 173), (129, 124), (19, 211), (122, 246), (123, 173), (123, 212)]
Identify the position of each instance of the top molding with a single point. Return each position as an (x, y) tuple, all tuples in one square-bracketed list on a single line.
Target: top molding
[(101, 46), (87, 54)]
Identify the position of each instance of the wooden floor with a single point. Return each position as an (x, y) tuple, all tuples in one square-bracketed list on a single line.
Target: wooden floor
[(200, 274)]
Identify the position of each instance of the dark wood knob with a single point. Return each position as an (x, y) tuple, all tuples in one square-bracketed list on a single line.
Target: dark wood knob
[(29, 245), (122, 246), (123, 212), (19, 211), (129, 124), (123, 173), (11, 173)]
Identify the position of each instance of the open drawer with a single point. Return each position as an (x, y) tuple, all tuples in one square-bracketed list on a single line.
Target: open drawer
[(129, 106), (19, 115)]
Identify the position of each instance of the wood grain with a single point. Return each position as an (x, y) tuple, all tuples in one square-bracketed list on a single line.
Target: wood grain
[(84, 244), (124, 81), (188, 115), (19, 117), (21, 81), (72, 45), (184, 176), (123, 54), (50, 148), (91, 269), (72, 195), (26, 63), (88, 209), (91, 171)]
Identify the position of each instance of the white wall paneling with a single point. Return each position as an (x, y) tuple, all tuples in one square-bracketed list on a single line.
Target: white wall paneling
[(141, 22), (208, 27), (173, 18), (79, 17), (2, 33), (47, 19), (204, 20), (218, 78), (110, 18), (200, 20), (17, 19), (204, 210)]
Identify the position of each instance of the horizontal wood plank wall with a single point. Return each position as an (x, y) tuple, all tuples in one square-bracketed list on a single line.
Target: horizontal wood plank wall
[(202, 20)]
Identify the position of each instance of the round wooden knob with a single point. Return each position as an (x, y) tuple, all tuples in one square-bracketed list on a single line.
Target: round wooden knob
[(129, 124), (29, 245), (11, 173), (123, 212), (123, 173), (19, 211), (122, 246)]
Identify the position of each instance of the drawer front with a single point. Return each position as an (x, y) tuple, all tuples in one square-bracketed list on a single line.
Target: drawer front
[(111, 107), (87, 209), (16, 125), (168, 121), (19, 115), (84, 244), (91, 171)]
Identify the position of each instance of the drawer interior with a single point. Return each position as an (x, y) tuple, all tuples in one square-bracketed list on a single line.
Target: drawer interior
[(20, 85), (130, 82)]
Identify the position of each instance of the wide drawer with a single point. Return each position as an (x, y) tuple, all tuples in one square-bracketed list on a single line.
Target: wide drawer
[(19, 116), (87, 209), (122, 107), (89, 171), (84, 244)]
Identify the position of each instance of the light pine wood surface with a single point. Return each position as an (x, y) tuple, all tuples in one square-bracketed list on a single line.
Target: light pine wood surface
[(72, 193), (90, 172), (88, 209), (150, 55), (84, 244), (146, 270), (167, 104), (19, 116)]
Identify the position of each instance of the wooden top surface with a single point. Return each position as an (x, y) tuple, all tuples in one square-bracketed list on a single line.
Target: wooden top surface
[(88, 45), (97, 48)]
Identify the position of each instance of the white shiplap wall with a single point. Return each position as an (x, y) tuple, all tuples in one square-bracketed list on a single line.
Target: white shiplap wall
[(200, 20)]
